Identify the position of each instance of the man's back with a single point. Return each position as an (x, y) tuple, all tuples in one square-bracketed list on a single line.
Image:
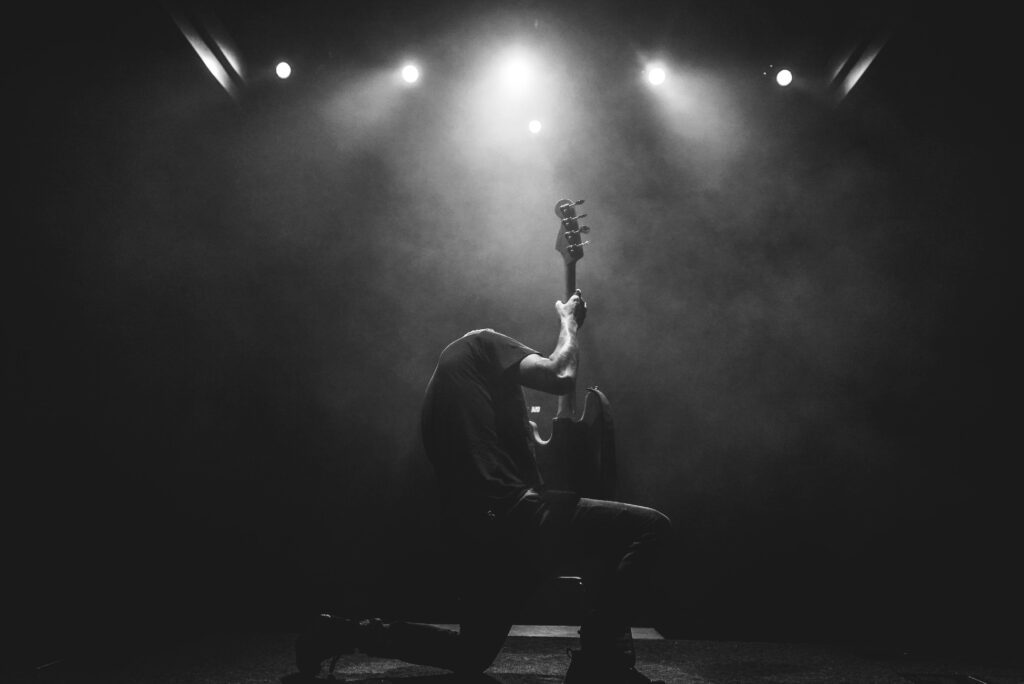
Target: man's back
[(475, 424)]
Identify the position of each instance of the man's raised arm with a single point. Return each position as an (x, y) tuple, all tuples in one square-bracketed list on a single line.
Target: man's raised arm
[(556, 373)]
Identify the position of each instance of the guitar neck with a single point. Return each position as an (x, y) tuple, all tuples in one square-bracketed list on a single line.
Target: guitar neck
[(567, 402)]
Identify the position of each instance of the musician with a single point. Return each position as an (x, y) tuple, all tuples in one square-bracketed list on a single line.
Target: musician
[(505, 532)]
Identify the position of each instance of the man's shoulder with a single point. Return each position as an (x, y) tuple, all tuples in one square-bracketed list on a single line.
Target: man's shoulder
[(471, 344), (489, 334), (480, 332), (488, 343), (500, 339)]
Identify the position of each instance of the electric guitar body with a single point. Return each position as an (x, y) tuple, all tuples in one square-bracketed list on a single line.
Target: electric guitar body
[(579, 454)]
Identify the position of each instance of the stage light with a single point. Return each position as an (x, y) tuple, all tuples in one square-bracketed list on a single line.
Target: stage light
[(283, 70), (656, 74), (410, 73), (534, 126), (782, 77)]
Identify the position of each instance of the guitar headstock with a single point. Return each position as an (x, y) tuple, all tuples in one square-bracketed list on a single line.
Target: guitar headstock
[(569, 242)]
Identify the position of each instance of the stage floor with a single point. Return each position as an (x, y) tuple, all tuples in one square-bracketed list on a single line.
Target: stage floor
[(532, 654)]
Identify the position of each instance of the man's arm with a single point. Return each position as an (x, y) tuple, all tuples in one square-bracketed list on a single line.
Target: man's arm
[(556, 373)]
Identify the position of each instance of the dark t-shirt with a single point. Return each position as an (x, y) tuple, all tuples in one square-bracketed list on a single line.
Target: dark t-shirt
[(475, 424)]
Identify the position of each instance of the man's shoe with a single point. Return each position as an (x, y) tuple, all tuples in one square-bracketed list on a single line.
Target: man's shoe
[(587, 669), (329, 636)]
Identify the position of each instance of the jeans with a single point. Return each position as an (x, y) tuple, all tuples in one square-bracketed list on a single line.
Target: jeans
[(500, 560)]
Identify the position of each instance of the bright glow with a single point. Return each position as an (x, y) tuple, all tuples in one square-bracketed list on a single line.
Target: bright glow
[(656, 74), (784, 77), (410, 73), (516, 72), (534, 126), (284, 70)]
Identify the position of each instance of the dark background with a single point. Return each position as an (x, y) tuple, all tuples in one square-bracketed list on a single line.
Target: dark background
[(222, 311)]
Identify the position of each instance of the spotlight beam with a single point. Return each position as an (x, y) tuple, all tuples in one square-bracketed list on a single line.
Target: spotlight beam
[(221, 61), (856, 63)]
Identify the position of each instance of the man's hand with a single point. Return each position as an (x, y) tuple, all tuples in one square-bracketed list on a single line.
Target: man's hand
[(575, 308)]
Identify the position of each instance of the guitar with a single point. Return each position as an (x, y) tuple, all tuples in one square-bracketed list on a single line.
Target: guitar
[(580, 453)]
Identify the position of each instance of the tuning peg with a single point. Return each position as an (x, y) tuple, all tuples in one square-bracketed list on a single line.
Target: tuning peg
[(579, 202), (584, 229)]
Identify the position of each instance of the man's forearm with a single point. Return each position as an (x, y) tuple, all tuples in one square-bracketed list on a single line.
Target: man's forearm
[(556, 372), (565, 357)]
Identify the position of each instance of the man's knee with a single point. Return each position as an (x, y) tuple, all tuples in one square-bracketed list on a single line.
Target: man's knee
[(662, 524), (658, 528)]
